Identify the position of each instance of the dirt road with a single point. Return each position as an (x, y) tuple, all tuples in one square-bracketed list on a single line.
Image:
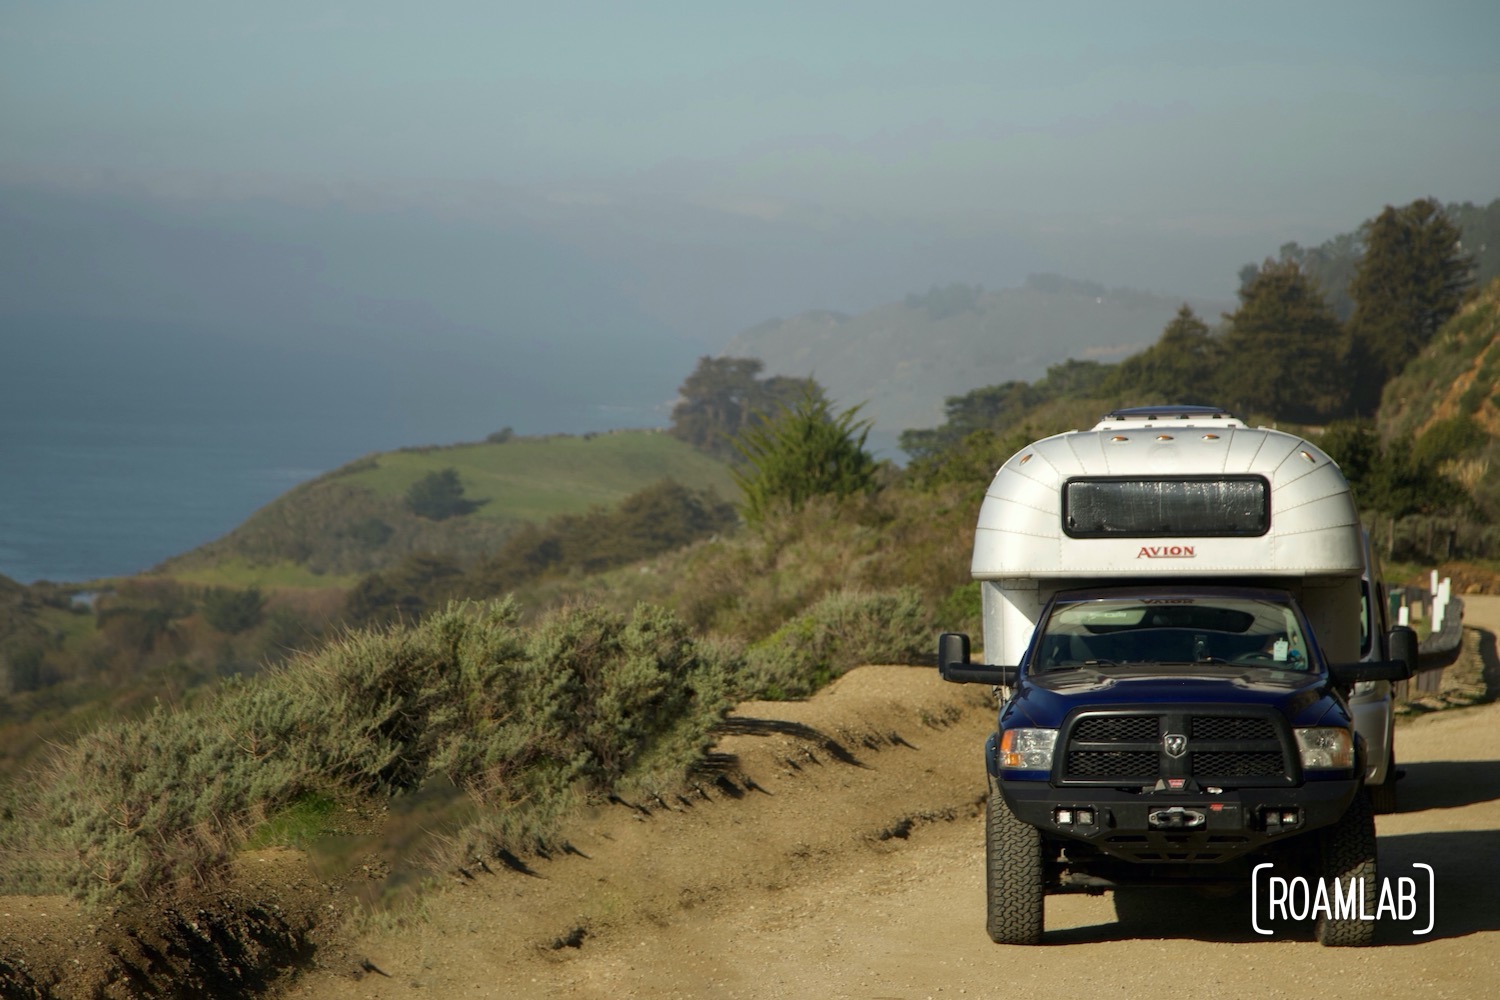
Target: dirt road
[(844, 859)]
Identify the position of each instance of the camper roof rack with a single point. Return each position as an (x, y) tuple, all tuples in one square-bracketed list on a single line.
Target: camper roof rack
[(1169, 414)]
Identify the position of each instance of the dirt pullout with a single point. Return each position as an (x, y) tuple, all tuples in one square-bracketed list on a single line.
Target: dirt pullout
[(854, 870), (842, 783)]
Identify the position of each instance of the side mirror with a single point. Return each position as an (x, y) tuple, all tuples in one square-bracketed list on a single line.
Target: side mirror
[(954, 665), (1350, 674), (1401, 641)]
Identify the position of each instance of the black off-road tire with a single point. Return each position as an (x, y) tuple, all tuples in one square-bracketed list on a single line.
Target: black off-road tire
[(1346, 852), (1013, 875)]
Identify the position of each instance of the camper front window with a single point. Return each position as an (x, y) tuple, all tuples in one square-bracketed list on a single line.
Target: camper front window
[(1196, 506), (1198, 629)]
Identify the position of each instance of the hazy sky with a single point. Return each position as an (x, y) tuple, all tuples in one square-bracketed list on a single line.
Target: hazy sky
[(1068, 125)]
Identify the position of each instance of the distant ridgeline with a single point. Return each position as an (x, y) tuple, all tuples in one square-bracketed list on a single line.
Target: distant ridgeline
[(902, 360)]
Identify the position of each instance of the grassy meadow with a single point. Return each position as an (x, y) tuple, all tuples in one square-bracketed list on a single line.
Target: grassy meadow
[(356, 519), (531, 479)]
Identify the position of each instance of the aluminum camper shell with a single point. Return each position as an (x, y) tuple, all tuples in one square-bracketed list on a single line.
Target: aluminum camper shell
[(1025, 551)]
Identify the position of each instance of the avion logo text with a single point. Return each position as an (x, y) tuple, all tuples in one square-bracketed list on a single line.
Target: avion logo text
[(1166, 552)]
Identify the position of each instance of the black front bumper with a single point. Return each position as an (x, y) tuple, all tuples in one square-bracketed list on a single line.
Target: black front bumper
[(1178, 827)]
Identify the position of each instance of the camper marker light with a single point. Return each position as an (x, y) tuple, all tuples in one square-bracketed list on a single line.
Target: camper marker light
[(1163, 437), (1027, 749), (1210, 437), (1325, 748)]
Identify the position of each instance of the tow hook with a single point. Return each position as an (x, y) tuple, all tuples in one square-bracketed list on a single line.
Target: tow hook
[(1175, 818)]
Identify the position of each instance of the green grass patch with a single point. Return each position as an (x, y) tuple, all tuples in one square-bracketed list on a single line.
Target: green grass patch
[(236, 571), (531, 479), (308, 819), (68, 626)]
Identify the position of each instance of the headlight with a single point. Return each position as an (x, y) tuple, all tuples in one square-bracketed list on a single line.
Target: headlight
[(1027, 749), (1326, 748)]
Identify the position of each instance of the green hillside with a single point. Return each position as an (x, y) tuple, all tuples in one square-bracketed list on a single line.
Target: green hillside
[(357, 518), (1447, 402), (1457, 376)]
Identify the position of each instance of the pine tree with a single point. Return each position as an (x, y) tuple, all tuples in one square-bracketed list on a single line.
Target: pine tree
[(1181, 367), (1411, 279), (1285, 351)]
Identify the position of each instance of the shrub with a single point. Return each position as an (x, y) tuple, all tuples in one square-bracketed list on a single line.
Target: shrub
[(232, 611), (438, 496), (587, 703), (803, 453), (843, 630)]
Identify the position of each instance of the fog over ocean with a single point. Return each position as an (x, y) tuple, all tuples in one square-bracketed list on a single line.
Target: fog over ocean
[(122, 445)]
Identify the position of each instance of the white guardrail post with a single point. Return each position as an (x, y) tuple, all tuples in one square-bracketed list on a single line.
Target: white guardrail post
[(1440, 598)]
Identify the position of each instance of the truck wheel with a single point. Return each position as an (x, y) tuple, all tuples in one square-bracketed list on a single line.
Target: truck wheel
[(1013, 875), (1346, 853)]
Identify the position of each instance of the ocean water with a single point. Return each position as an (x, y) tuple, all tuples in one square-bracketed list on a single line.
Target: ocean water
[(82, 498), (121, 446)]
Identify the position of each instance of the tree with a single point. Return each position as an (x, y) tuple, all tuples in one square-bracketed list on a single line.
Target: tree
[(233, 611), (1395, 478), (1481, 228), (986, 409), (1284, 353), (1000, 409), (1181, 367), (420, 583), (438, 496), (1411, 279), (724, 396), (1330, 266), (805, 451)]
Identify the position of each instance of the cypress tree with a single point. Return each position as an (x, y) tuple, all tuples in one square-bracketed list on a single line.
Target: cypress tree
[(1412, 277), (1285, 351)]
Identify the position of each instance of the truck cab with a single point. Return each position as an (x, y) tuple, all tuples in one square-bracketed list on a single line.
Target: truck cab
[(1172, 609)]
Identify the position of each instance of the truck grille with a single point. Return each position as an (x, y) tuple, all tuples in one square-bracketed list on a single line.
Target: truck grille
[(1230, 764), (1110, 763), (1130, 749)]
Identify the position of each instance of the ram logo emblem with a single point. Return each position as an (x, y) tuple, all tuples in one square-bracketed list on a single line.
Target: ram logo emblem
[(1175, 744)]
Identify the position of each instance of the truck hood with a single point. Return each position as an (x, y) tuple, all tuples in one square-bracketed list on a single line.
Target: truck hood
[(1303, 699)]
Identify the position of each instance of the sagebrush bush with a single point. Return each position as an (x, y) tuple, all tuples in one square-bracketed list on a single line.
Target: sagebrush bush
[(846, 629), (527, 720)]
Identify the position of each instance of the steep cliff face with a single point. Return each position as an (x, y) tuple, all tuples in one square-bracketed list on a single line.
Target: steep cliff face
[(1457, 375)]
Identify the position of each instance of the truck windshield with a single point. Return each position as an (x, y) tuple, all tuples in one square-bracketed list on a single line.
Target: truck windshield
[(1198, 629)]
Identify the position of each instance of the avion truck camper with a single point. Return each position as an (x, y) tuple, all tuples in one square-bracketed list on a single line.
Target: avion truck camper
[(1174, 599)]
